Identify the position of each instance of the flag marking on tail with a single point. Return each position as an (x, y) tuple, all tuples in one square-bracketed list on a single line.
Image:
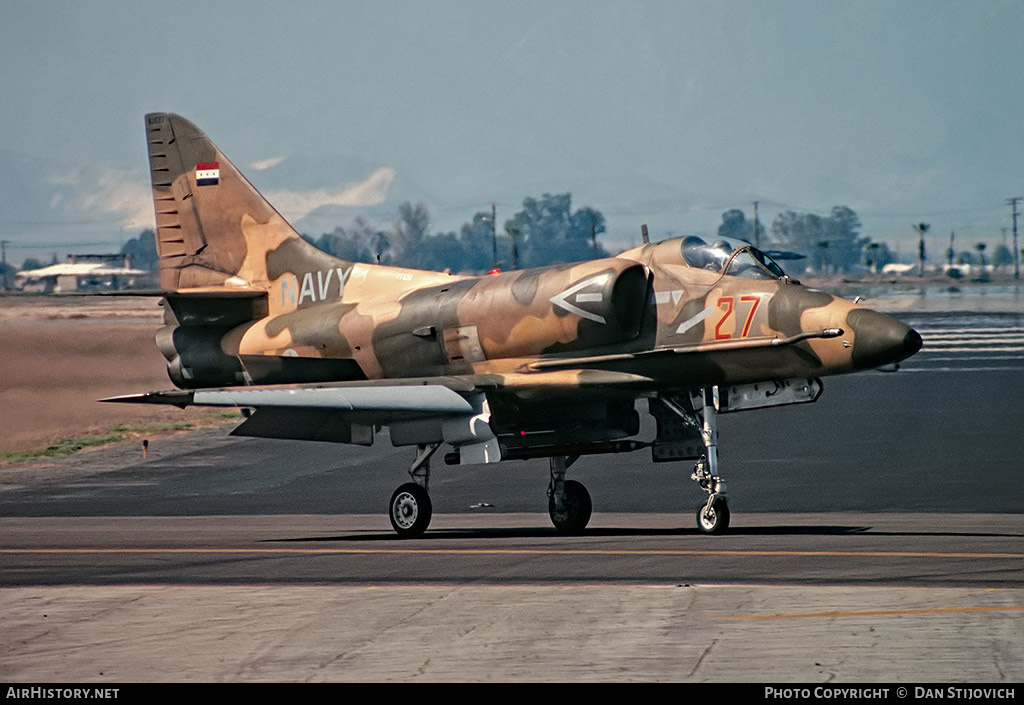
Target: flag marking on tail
[(207, 174)]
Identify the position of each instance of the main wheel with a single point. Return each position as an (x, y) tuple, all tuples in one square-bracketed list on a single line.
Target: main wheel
[(410, 510), (576, 508), (713, 519)]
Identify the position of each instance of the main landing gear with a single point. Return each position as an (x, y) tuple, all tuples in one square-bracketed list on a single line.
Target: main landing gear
[(569, 504), (410, 507)]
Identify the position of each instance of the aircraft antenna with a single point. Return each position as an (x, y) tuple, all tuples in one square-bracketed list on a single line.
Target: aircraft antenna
[(494, 238), (643, 234)]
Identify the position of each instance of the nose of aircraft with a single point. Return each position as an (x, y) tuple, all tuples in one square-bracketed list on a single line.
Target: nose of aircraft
[(880, 339)]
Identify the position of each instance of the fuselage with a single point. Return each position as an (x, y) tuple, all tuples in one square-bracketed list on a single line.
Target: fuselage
[(729, 308)]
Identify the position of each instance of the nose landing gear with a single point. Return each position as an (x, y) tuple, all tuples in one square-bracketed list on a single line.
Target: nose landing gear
[(697, 425), (713, 517)]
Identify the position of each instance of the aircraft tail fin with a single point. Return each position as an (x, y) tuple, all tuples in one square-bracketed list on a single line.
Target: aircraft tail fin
[(214, 230)]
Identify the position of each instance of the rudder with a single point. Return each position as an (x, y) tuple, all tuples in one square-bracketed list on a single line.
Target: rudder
[(213, 228)]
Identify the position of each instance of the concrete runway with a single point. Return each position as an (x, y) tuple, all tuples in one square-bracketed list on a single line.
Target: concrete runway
[(788, 598), (877, 537)]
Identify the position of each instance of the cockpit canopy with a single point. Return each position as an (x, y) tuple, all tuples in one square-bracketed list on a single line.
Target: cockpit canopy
[(734, 258)]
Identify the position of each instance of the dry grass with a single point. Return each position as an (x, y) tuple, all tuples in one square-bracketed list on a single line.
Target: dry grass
[(58, 356)]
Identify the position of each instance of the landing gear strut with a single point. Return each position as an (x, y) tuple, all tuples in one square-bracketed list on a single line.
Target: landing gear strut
[(713, 517), (410, 508), (569, 502), (701, 415)]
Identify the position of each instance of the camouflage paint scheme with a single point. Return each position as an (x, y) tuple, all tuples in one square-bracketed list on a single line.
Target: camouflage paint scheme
[(555, 355), (399, 323)]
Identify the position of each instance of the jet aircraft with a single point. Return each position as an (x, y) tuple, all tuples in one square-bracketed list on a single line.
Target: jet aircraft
[(553, 362)]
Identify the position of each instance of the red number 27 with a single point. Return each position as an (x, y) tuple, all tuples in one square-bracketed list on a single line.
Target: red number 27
[(729, 303)]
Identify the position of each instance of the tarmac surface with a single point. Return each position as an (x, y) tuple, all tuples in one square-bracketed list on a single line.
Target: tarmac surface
[(865, 598), (877, 536)]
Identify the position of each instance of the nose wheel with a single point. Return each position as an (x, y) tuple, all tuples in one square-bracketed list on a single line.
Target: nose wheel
[(713, 517)]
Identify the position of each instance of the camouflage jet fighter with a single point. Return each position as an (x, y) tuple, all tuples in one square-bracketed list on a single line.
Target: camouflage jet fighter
[(539, 363)]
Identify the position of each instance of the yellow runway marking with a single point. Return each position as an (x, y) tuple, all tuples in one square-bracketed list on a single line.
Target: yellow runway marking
[(881, 613), (503, 552)]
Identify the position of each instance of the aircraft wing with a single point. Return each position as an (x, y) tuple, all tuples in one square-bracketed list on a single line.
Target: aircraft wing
[(418, 411), (421, 411), (425, 413), (383, 403)]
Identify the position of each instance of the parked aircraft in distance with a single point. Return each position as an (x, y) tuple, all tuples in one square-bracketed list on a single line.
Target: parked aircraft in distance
[(538, 363)]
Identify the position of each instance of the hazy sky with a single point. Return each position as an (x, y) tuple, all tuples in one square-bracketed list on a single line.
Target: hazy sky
[(659, 112)]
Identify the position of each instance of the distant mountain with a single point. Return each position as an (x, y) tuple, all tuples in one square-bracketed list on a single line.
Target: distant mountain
[(47, 207), (318, 193)]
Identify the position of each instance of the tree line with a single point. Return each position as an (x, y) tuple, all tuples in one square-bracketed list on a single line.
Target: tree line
[(548, 231), (833, 244), (830, 244)]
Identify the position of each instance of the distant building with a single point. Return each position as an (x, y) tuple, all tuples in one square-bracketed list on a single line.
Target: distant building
[(88, 272)]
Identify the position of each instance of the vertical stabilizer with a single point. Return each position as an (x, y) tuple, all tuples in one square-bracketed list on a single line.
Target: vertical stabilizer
[(213, 228)]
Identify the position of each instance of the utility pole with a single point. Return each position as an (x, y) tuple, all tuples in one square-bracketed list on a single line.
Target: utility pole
[(757, 229), (1016, 250), (3, 263), (921, 229)]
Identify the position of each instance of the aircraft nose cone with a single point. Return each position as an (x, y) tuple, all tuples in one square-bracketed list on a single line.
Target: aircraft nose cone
[(880, 339)]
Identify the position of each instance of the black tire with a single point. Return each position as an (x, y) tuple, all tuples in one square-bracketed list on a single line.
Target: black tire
[(410, 510), (577, 509), (714, 520)]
